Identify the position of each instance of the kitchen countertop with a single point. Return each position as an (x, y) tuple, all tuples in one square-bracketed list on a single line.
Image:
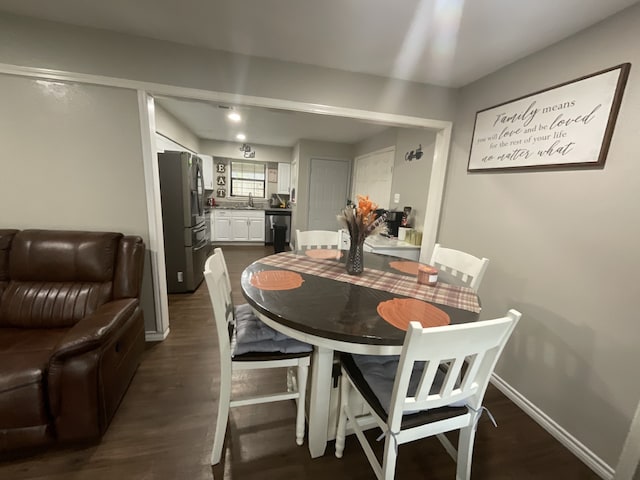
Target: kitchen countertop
[(245, 207), (273, 209), (389, 243), (236, 207)]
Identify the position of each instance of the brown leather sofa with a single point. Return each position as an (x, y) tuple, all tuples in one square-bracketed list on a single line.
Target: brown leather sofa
[(71, 333)]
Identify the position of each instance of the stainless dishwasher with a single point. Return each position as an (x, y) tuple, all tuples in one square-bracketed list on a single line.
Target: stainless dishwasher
[(276, 216)]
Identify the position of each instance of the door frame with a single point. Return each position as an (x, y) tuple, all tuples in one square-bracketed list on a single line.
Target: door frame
[(146, 91)]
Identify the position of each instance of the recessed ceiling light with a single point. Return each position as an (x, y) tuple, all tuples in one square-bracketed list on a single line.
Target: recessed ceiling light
[(234, 116), (241, 136)]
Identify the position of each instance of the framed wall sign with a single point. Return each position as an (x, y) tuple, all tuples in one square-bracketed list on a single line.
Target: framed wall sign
[(568, 125)]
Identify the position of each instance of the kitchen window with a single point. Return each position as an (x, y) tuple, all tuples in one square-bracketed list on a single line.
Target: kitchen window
[(248, 178)]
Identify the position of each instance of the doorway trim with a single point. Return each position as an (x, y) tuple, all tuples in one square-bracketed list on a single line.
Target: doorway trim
[(436, 182)]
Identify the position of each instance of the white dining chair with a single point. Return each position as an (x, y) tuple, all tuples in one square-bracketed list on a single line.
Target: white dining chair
[(468, 268), (410, 400), (317, 239), (245, 343)]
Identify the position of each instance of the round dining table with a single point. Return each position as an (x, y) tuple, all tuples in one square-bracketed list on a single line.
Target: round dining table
[(309, 296)]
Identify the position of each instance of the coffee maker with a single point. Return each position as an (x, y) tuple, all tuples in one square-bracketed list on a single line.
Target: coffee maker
[(394, 219)]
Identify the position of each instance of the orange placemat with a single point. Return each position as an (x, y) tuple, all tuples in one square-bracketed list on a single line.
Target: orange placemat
[(276, 280), (405, 267), (400, 311), (329, 253)]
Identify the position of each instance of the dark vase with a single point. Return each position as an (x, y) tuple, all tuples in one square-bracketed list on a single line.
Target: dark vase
[(355, 258)]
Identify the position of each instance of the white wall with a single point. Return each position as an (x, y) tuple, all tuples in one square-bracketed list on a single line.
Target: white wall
[(410, 179), (172, 128), (563, 246), (386, 138), (264, 153), (72, 159)]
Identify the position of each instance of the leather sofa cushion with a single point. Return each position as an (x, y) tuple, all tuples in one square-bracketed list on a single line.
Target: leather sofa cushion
[(24, 359), (63, 256), (45, 305), (17, 341)]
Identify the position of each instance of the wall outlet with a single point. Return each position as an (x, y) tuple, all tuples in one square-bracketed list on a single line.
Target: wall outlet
[(345, 240), (396, 198), (180, 277)]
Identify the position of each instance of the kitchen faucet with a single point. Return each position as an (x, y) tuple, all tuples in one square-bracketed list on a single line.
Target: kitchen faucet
[(250, 202)]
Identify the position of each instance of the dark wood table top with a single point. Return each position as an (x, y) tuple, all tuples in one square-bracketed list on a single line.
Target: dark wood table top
[(337, 310)]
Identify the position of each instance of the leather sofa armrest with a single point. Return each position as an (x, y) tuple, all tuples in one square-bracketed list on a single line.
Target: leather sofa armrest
[(91, 368), (93, 331)]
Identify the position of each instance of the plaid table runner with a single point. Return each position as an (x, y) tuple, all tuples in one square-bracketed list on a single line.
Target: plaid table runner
[(463, 298)]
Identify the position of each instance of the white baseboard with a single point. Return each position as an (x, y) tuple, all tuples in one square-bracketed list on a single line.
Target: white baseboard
[(595, 463), (153, 336)]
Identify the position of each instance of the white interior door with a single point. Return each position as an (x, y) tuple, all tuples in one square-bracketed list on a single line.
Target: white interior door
[(372, 175), (328, 192)]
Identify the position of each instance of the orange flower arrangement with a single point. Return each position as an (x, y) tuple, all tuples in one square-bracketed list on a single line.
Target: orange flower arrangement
[(362, 220)]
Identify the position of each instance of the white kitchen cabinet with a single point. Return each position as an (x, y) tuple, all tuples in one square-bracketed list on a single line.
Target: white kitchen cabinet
[(256, 229), (207, 171), (240, 229), (222, 225), (284, 178), (238, 225), (247, 226)]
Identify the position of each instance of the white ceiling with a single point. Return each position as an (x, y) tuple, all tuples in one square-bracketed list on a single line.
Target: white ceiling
[(266, 126), (442, 42)]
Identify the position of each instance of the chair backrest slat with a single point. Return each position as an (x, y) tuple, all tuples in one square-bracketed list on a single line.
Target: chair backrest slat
[(428, 376), (452, 376), (473, 364)]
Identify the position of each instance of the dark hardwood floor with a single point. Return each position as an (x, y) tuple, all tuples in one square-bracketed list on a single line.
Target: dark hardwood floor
[(164, 427)]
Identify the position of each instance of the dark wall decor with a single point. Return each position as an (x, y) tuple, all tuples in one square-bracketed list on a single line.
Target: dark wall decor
[(414, 154), (248, 152), (565, 126)]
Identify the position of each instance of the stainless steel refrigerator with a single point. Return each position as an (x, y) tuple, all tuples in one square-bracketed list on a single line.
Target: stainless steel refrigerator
[(186, 244)]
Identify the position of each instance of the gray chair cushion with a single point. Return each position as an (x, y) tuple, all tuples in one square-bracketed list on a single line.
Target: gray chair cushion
[(252, 335)]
